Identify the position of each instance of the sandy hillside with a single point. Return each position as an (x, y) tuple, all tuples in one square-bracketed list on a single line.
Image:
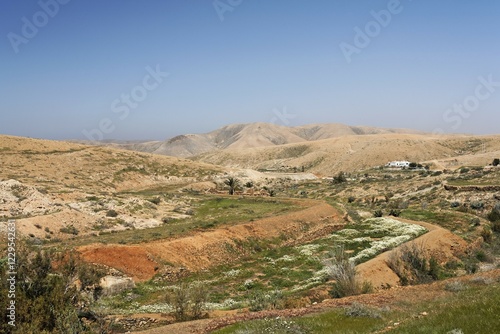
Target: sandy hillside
[(64, 166), (57, 190), (353, 153), (251, 135)]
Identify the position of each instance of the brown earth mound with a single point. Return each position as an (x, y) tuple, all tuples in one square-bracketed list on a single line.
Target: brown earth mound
[(135, 261)]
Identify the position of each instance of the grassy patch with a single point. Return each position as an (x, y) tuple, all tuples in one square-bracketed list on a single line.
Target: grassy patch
[(268, 267), (447, 219), (208, 213), (325, 323), (474, 310)]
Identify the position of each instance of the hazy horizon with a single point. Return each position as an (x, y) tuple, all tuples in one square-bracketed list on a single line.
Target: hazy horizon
[(128, 70)]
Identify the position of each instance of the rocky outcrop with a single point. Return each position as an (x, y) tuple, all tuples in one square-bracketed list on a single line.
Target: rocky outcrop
[(135, 324), (472, 188), (112, 285), (18, 199)]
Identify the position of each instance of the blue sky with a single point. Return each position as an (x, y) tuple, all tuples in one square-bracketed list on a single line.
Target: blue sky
[(416, 68)]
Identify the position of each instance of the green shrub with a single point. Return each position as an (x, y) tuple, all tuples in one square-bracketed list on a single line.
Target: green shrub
[(155, 200), (260, 300), (477, 205), (481, 256), (412, 264), (395, 212), (188, 300), (455, 286), (46, 299), (343, 273), (494, 215), (453, 264), (167, 220), (70, 229), (434, 268), (471, 265), (475, 221), (111, 213), (495, 226), (361, 311), (378, 213), (339, 178)]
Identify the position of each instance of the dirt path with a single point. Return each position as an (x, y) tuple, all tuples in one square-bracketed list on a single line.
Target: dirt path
[(222, 245), (439, 242)]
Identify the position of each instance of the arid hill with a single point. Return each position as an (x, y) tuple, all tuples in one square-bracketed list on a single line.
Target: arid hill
[(64, 166), (323, 149), (353, 153), (58, 189), (245, 136)]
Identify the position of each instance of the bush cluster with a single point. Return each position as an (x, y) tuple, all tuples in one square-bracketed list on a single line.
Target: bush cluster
[(494, 218), (413, 265), (188, 301), (361, 311), (47, 300), (260, 300), (343, 273)]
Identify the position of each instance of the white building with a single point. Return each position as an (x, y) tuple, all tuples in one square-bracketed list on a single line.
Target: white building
[(398, 164)]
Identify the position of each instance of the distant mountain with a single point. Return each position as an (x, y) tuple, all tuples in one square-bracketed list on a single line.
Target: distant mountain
[(252, 135), (327, 157)]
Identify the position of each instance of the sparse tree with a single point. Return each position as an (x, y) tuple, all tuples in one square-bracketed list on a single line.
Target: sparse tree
[(188, 300), (339, 178), (199, 296), (179, 299), (232, 183), (47, 301)]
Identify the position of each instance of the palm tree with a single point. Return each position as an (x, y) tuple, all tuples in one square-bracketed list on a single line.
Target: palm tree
[(232, 183)]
